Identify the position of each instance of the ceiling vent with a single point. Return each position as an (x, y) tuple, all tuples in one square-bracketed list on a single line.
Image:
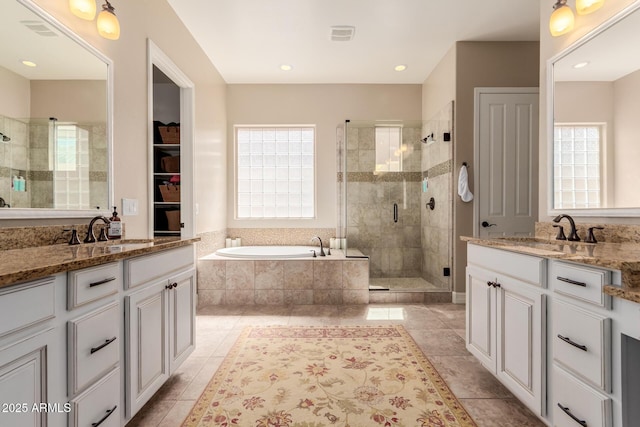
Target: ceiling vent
[(342, 33), (39, 28)]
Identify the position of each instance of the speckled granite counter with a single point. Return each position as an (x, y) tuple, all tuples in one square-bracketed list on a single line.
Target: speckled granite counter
[(19, 265), (617, 256)]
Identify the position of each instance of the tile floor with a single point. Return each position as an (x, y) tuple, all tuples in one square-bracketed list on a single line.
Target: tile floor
[(437, 328)]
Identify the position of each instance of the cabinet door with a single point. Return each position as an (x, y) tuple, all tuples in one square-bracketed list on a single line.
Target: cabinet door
[(481, 316), (23, 382), (182, 317), (521, 350), (146, 317)]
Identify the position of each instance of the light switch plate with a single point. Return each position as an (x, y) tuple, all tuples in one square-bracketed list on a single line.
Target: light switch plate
[(129, 207)]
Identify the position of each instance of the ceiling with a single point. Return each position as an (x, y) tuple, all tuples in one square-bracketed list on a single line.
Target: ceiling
[(248, 40)]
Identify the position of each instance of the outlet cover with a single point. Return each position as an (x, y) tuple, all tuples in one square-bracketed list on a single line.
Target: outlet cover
[(129, 207)]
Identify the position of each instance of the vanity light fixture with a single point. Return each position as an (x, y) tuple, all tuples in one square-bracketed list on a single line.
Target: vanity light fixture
[(400, 67), (108, 25), (562, 19), (585, 7), (84, 9)]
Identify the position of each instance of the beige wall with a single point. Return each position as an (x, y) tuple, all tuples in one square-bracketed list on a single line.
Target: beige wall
[(82, 101), (325, 106), (482, 64), (140, 20), (16, 95), (626, 150), (549, 48)]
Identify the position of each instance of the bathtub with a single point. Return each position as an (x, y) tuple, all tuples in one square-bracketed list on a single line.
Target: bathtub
[(268, 252)]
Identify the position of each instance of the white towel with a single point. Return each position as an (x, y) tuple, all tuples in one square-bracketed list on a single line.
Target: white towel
[(463, 185)]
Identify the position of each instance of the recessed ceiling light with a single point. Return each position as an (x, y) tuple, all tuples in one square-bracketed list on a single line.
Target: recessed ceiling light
[(286, 67), (581, 64), (29, 63), (400, 67)]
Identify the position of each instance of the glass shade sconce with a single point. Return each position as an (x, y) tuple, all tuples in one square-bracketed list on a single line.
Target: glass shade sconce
[(562, 19), (585, 7), (107, 22)]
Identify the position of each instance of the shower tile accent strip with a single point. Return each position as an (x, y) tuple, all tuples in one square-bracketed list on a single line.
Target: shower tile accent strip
[(275, 282), (439, 169), (383, 176)]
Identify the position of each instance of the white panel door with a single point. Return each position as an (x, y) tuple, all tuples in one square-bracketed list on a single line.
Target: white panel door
[(481, 317), (506, 161), (147, 343), (182, 317), (520, 341)]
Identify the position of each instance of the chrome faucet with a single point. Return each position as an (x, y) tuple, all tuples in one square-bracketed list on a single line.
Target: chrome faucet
[(573, 234), (91, 238), (321, 248)]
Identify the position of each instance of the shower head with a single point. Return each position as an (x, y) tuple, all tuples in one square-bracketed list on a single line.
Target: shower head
[(428, 138), (5, 138)]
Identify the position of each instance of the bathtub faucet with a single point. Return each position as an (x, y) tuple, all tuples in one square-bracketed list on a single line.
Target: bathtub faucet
[(319, 240)]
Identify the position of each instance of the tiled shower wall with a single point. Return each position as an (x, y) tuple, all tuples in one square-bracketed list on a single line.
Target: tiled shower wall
[(14, 161), (394, 248), (437, 224)]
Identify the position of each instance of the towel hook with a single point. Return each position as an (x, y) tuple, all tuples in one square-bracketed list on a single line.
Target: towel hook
[(464, 164)]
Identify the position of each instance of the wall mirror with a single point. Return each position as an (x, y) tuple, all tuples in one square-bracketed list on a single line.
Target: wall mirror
[(595, 91), (55, 119)]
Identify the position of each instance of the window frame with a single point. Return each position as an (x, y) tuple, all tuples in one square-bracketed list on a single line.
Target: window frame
[(237, 127)]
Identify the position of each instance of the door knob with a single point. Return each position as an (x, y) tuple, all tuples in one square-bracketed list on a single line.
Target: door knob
[(485, 224)]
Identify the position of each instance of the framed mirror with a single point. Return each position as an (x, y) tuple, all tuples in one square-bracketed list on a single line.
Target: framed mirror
[(594, 93), (55, 119)]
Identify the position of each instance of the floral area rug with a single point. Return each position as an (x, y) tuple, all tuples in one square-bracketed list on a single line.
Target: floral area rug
[(356, 376)]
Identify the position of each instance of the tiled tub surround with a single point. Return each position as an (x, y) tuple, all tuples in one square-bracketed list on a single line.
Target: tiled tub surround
[(334, 279), (280, 236)]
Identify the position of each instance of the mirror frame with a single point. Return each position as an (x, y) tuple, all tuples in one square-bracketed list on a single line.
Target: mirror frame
[(600, 212), (45, 213)]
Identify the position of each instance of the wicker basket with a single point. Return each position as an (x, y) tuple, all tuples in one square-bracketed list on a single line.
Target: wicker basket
[(170, 134), (170, 192), (170, 164), (173, 220)]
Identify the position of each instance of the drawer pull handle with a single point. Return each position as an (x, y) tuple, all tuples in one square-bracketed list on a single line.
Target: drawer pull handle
[(103, 345), (109, 412), (102, 282), (573, 417), (575, 344), (572, 282)]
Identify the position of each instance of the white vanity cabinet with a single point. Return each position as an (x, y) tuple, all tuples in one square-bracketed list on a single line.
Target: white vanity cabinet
[(160, 320), (30, 354), (506, 320)]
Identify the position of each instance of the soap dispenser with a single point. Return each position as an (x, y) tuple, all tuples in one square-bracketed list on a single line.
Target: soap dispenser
[(115, 226)]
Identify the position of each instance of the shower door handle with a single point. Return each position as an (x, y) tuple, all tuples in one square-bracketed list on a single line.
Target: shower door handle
[(395, 212)]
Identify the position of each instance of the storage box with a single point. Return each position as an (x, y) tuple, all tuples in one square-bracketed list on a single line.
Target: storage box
[(173, 220), (170, 134), (170, 164), (170, 192)]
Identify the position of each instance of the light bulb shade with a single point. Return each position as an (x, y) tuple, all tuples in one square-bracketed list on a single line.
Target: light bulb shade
[(108, 25), (85, 9), (561, 21), (585, 7)]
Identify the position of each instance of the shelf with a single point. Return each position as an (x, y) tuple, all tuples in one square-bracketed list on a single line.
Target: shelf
[(167, 146), (160, 204), (165, 173)]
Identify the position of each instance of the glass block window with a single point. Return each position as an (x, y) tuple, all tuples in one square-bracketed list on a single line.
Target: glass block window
[(388, 149), (577, 166), (275, 172), (71, 182)]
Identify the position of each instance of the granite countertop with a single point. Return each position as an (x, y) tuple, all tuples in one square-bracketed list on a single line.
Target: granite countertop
[(617, 256), (18, 265)]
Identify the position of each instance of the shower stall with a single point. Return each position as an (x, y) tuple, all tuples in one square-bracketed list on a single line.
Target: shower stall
[(388, 174)]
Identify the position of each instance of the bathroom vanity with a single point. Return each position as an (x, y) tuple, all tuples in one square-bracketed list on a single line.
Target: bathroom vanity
[(89, 333), (541, 316)]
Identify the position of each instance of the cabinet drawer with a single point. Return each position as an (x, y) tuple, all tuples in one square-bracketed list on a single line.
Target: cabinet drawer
[(91, 284), (29, 304), (141, 270), (582, 343), (524, 267), (580, 282), (101, 402), (94, 346), (574, 402)]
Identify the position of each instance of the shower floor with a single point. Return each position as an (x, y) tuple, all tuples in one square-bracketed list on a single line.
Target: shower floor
[(402, 284)]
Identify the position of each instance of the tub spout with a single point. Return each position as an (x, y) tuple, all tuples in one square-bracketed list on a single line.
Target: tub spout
[(321, 248)]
